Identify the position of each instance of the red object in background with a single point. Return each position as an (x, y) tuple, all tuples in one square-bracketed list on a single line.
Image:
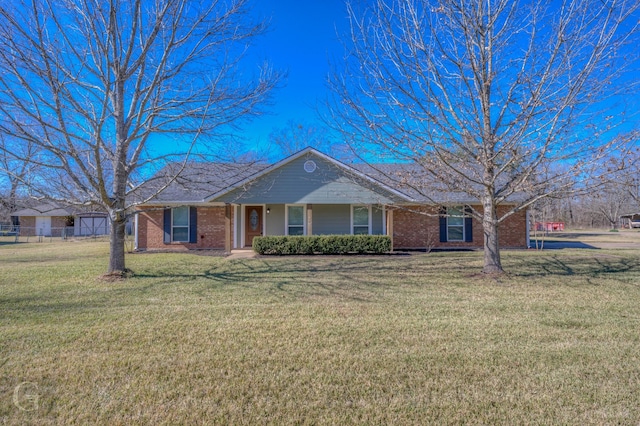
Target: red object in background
[(550, 226)]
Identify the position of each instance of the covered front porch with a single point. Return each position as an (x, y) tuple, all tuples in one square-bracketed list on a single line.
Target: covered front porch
[(251, 220)]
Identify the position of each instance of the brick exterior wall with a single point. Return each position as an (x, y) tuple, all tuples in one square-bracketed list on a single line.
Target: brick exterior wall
[(418, 227), (27, 226), (513, 231), (415, 227), (58, 223), (211, 230)]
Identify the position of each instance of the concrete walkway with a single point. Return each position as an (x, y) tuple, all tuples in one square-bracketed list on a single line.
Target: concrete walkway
[(242, 254)]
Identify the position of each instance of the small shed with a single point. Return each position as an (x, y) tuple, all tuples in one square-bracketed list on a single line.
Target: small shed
[(91, 223)]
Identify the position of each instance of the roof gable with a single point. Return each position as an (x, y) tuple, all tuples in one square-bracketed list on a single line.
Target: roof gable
[(309, 177)]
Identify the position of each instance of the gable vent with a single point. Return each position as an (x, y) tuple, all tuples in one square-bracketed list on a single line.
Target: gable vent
[(310, 166)]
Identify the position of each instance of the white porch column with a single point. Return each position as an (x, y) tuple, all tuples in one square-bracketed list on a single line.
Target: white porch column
[(390, 226)]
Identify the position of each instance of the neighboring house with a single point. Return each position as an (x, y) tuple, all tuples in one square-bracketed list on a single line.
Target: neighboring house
[(48, 219), (224, 206)]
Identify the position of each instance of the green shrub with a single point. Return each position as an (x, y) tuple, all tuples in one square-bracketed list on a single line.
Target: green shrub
[(322, 244)]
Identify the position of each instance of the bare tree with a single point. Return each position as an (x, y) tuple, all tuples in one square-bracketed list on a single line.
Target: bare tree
[(631, 180), (298, 135), (609, 202), (16, 169), (111, 90), (508, 101)]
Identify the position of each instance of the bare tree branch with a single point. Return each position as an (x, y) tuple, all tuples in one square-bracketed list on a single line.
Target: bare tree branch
[(108, 89), (506, 101)]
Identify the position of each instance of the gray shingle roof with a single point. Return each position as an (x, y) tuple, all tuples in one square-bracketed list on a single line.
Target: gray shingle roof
[(198, 181), (45, 209), (411, 179), (414, 181), (195, 183)]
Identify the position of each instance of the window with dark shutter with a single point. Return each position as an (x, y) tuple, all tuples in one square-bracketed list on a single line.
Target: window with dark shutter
[(180, 224), (193, 225), (442, 220)]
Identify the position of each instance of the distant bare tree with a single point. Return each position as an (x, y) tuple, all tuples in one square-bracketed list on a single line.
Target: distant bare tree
[(632, 179), (17, 168), (110, 90), (296, 136), (610, 201), (504, 100)]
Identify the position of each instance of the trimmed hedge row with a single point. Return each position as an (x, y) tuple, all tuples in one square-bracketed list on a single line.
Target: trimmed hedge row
[(322, 244)]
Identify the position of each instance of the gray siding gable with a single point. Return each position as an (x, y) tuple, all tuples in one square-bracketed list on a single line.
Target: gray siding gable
[(292, 184)]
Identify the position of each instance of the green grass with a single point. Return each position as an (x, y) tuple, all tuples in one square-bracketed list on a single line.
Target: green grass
[(319, 340)]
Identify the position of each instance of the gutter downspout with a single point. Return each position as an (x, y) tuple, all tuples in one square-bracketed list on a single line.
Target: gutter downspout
[(135, 231)]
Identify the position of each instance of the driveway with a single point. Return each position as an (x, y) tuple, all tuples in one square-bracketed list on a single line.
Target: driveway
[(593, 245)]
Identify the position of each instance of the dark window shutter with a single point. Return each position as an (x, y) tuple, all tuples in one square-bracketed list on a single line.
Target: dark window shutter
[(443, 225), (167, 226), (468, 226), (193, 225)]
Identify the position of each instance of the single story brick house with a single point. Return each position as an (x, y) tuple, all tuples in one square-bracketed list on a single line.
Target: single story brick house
[(224, 206)]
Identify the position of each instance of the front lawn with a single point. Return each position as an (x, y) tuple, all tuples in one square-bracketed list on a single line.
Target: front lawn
[(420, 339)]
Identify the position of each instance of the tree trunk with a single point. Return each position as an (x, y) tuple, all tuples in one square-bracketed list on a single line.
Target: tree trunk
[(492, 263), (116, 244)]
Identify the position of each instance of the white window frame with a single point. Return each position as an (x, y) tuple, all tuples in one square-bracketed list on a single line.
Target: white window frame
[(352, 226), (304, 218), (181, 226), (463, 217)]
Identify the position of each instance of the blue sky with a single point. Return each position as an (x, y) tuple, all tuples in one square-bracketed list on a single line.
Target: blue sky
[(302, 41)]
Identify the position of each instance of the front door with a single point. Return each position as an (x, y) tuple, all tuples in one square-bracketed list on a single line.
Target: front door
[(252, 224), (43, 226)]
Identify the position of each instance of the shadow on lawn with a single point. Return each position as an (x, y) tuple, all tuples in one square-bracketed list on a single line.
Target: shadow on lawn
[(11, 243), (366, 279), (561, 265), (352, 278)]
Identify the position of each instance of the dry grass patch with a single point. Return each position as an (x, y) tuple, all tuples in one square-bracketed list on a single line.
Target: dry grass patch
[(323, 340)]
